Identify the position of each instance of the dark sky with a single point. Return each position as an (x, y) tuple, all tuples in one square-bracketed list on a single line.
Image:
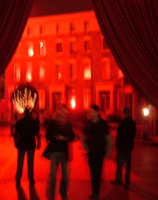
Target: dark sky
[(49, 7)]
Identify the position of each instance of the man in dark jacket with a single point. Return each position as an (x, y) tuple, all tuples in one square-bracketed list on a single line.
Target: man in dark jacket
[(59, 133), (26, 133), (124, 144), (97, 142)]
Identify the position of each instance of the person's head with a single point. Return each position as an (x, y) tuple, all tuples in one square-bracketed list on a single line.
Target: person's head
[(62, 113), (27, 111), (94, 113), (126, 111)]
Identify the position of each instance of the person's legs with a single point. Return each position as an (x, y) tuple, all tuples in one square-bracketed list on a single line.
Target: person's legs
[(54, 166), (120, 160), (21, 155), (128, 166), (64, 181), (30, 163), (95, 164)]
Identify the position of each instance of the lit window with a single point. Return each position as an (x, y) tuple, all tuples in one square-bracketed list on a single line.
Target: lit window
[(42, 72), (17, 74), (87, 45), (106, 68), (59, 47), (73, 99), (73, 71), (86, 98), (120, 74), (30, 52), (42, 48), (72, 27), (87, 71), (41, 94), (58, 72), (29, 72), (86, 25)]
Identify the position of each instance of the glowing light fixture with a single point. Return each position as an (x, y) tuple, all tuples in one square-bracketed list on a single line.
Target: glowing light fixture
[(23, 100), (146, 111), (73, 103)]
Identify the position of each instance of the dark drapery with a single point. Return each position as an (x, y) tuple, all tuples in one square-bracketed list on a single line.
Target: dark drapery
[(13, 18), (130, 28)]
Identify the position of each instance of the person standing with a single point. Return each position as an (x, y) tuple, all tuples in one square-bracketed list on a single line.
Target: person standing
[(97, 142), (26, 133), (59, 134), (124, 144)]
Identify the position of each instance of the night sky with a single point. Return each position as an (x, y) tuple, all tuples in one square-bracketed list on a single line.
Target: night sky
[(52, 7)]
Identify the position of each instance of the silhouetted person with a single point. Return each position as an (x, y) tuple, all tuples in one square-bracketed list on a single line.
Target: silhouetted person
[(13, 121), (59, 133), (124, 144), (26, 133), (97, 142)]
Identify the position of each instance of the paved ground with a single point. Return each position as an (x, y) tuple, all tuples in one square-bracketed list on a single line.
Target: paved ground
[(144, 179)]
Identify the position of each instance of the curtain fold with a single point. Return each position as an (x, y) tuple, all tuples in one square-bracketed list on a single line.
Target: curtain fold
[(13, 18), (130, 29)]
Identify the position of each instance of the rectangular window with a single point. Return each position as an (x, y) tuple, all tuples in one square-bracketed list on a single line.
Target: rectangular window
[(72, 27), (29, 31), (73, 71), (58, 73), (41, 29), (42, 48), (120, 99), (42, 72), (72, 47), (29, 72), (59, 47), (30, 51), (86, 25), (57, 28), (106, 68), (87, 71), (120, 74), (41, 99), (17, 74), (86, 99), (87, 45)]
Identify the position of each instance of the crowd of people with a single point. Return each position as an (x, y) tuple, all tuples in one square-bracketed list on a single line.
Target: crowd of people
[(59, 135)]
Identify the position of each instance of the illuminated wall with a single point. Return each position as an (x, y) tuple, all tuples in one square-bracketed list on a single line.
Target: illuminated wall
[(68, 61)]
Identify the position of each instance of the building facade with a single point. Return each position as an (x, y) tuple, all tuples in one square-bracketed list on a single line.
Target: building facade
[(68, 61)]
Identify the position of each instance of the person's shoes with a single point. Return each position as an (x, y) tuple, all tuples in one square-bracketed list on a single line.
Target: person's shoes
[(126, 186), (93, 196), (127, 182), (116, 182)]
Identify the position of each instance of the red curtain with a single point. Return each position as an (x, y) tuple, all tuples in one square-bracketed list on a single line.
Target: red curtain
[(13, 18), (130, 28)]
